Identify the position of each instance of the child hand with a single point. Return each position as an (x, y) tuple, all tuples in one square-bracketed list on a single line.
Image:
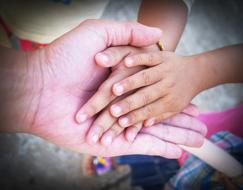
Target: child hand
[(163, 89), (104, 96)]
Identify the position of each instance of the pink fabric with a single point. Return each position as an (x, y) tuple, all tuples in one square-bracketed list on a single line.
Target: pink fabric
[(230, 120)]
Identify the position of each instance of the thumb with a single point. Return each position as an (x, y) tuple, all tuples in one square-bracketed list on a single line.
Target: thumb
[(131, 33), (115, 33)]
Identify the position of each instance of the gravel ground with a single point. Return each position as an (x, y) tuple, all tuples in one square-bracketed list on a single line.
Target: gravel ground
[(29, 162)]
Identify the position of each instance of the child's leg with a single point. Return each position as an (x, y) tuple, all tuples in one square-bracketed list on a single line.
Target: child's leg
[(229, 120)]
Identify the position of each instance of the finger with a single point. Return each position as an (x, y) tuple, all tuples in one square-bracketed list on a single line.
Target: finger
[(187, 122), (101, 98), (95, 104), (113, 33), (130, 33), (100, 125), (151, 110), (191, 110), (132, 132), (158, 119), (150, 122), (175, 135), (143, 78), (111, 133), (112, 56), (146, 144), (137, 100), (149, 59)]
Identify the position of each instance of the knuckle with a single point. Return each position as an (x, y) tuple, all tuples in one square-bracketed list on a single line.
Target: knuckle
[(146, 78), (145, 98), (169, 82), (128, 103), (157, 73), (150, 58), (129, 83), (139, 59)]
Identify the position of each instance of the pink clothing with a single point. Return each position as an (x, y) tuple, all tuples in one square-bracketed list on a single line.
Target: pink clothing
[(230, 120)]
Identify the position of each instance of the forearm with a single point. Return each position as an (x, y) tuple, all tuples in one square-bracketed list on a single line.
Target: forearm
[(169, 15), (224, 65), (16, 91)]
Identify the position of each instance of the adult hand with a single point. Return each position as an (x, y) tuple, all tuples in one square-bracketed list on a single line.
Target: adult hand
[(69, 76), (63, 75)]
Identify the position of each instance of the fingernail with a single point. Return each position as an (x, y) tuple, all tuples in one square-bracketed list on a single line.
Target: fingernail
[(128, 62), (104, 58), (123, 121), (108, 140), (118, 89), (116, 110), (82, 117)]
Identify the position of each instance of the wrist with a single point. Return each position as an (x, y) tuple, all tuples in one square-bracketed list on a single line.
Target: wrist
[(204, 76), (198, 74), (19, 87)]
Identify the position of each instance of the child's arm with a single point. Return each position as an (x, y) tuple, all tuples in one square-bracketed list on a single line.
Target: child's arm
[(220, 66), (168, 15)]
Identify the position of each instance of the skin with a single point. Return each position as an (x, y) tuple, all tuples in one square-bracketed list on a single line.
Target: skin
[(41, 91), (161, 87), (168, 15), (151, 13), (104, 98)]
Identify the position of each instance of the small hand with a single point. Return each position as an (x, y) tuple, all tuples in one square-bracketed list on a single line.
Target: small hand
[(163, 89), (104, 96)]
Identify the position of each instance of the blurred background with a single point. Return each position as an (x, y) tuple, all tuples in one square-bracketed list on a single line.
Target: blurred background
[(29, 162)]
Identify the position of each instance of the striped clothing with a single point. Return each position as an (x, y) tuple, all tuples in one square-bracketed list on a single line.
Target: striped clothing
[(196, 174)]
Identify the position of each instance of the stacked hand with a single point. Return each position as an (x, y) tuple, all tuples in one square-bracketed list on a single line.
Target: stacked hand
[(70, 76), (160, 94)]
